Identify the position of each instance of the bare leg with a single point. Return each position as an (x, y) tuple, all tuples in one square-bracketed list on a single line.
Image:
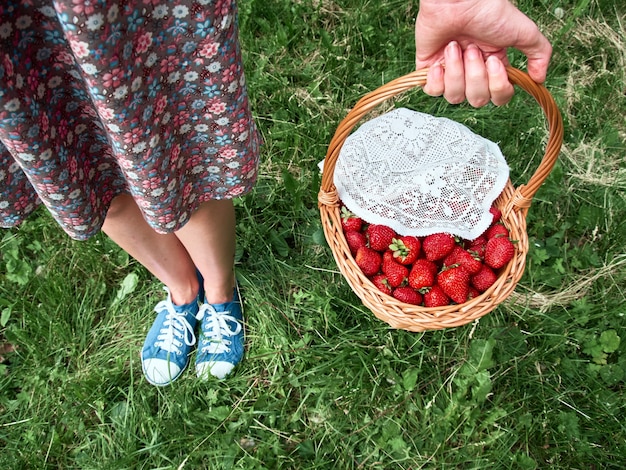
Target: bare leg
[(209, 238), (163, 255)]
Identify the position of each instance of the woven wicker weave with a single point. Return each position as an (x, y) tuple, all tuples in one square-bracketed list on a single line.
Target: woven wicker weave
[(514, 203)]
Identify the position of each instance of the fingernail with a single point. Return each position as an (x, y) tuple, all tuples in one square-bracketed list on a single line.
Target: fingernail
[(452, 46), (453, 51), (493, 64), (472, 52)]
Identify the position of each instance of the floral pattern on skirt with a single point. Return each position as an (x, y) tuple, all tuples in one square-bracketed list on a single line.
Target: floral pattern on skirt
[(104, 97)]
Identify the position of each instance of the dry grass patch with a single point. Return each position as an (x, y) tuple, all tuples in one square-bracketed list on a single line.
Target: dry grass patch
[(606, 60), (594, 164), (576, 290)]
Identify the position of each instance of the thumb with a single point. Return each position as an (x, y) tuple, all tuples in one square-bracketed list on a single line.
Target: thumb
[(538, 51), (538, 66)]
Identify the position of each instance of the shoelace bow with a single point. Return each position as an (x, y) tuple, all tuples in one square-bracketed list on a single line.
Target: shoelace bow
[(216, 328), (176, 329)]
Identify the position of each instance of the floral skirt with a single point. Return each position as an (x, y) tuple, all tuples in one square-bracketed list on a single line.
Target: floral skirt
[(104, 97)]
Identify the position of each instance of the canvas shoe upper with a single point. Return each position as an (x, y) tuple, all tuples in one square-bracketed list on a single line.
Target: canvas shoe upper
[(221, 338), (165, 352)]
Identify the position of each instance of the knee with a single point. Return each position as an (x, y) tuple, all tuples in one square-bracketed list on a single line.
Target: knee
[(120, 206)]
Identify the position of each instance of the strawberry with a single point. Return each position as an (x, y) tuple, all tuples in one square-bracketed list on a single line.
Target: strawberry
[(497, 230), (436, 297), (473, 293), (407, 295), (380, 281), (368, 260), (498, 252), (406, 249), (470, 262), (380, 236), (451, 258), (455, 281), (422, 274), (497, 214), (349, 221), (479, 240), (464, 258), (484, 279), (437, 246), (477, 247), (396, 273), (355, 240)]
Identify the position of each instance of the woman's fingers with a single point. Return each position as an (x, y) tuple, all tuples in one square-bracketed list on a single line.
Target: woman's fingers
[(466, 74), (434, 80), (454, 74), (476, 79), (500, 88)]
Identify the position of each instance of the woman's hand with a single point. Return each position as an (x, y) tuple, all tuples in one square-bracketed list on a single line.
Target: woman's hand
[(464, 44)]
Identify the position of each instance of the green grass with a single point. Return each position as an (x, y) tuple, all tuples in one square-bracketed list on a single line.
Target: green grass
[(538, 383)]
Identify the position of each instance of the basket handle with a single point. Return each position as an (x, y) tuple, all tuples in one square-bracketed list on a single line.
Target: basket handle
[(523, 194)]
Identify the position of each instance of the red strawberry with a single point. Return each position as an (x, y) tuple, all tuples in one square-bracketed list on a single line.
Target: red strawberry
[(497, 214), (438, 246), (355, 240), (455, 281), (349, 221), (406, 249), (451, 258), (368, 260), (436, 297), (473, 293), (463, 258), (497, 230), (407, 295), (484, 279), (396, 273), (498, 252), (477, 246), (470, 262), (380, 281), (479, 240), (422, 274), (380, 236)]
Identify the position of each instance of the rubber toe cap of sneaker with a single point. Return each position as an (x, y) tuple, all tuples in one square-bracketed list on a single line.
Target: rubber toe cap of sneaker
[(160, 371), (219, 369)]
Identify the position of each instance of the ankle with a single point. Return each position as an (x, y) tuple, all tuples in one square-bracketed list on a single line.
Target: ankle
[(183, 295), (219, 294)]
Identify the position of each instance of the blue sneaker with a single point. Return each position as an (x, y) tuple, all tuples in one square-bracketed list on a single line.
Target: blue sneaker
[(220, 343), (165, 352)]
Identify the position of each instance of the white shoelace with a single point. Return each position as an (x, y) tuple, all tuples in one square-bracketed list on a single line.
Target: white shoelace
[(217, 328), (176, 329)]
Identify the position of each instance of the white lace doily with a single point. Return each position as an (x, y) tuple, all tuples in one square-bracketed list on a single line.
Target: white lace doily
[(420, 174)]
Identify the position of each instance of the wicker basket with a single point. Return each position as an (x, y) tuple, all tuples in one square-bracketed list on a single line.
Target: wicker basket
[(514, 203)]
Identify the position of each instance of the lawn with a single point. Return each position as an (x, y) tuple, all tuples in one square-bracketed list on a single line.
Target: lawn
[(537, 383)]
